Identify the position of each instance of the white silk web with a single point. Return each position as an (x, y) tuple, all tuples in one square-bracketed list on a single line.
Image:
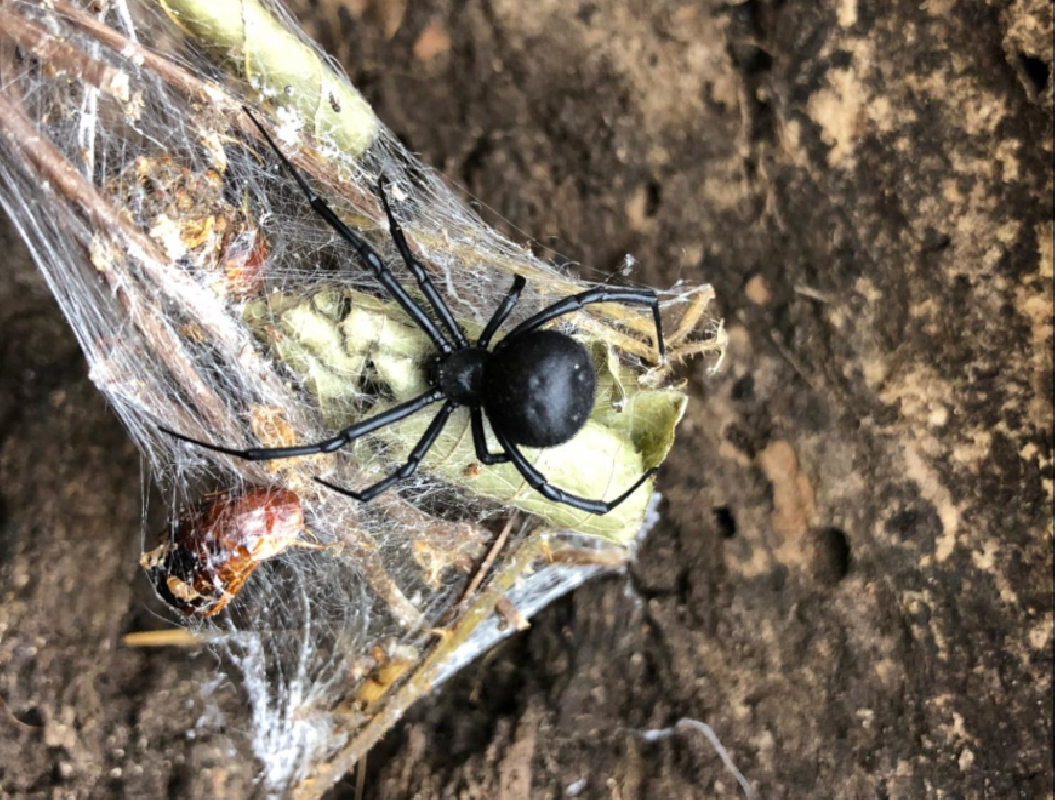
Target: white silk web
[(208, 298)]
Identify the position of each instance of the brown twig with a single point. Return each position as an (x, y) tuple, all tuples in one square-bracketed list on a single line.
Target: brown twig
[(171, 73), (529, 551), (485, 566), (582, 557), (375, 574), (59, 173), (55, 52)]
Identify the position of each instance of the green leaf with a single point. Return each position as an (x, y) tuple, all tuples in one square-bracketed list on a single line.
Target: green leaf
[(343, 343)]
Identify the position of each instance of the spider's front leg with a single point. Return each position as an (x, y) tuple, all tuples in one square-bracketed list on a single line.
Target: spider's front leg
[(418, 271), (505, 308), (576, 302), (359, 244)]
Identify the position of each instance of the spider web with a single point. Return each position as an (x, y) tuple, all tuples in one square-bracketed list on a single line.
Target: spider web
[(208, 298)]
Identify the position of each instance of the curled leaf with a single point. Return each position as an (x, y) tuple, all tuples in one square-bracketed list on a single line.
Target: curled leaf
[(341, 341)]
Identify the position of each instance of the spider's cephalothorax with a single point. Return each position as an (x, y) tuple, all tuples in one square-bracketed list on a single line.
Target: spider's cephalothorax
[(536, 385)]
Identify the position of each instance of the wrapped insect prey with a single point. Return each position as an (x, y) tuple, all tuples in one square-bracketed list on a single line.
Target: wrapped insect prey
[(212, 548)]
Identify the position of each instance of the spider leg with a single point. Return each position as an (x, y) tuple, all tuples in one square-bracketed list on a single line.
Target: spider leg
[(427, 288), (638, 297), (413, 460), (537, 482), (366, 252), (502, 312), (480, 442), (336, 442)]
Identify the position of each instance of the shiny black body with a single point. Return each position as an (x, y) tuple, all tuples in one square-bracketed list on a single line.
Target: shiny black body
[(539, 388), (536, 386)]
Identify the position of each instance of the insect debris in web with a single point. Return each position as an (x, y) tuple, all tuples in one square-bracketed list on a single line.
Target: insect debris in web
[(212, 548)]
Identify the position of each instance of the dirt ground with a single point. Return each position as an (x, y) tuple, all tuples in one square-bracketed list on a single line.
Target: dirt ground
[(852, 579)]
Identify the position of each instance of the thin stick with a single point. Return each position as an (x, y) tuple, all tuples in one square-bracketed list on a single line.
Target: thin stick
[(54, 52), (165, 69), (582, 557), (22, 135), (485, 565), (171, 637), (360, 779), (421, 681), (381, 582)]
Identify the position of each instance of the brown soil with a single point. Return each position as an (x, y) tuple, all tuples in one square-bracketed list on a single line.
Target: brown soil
[(852, 580)]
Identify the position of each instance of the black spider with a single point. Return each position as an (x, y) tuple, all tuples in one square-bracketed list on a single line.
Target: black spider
[(537, 386)]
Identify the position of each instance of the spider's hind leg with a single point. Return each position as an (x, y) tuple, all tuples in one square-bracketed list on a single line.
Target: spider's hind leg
[(538, 482)]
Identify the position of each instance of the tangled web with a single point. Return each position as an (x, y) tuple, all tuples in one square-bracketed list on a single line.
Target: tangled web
[(209, 299)]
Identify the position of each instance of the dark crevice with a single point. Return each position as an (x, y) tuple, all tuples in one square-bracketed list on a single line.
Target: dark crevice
[(586, 13), (1036, 70), (646, 592), (723, 515), (30, 717), (475, 160), (653, 198), (744, 388), (832, 554), (935, 241), (683, 588), (179, 781), (755, 65)]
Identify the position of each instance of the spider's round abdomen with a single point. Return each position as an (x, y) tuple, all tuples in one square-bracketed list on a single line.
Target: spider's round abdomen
[(539, 388)]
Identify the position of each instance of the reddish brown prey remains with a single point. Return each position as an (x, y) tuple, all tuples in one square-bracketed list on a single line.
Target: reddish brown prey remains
[(536, 386), (212, 548)]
